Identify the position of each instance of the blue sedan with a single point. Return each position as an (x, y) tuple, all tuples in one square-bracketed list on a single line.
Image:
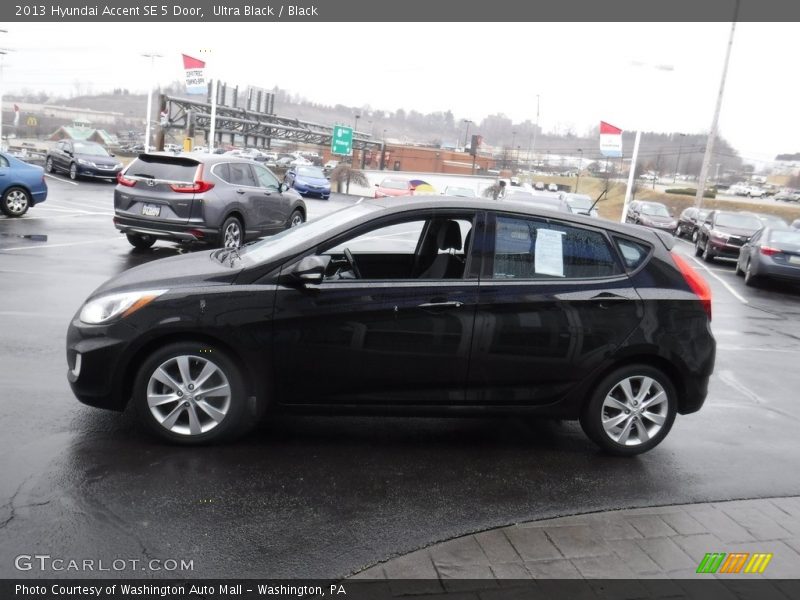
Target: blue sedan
[(309, 180), (21, 186)]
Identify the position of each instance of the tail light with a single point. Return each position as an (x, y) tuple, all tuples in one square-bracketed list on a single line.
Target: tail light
[(697, 284), (768, 251), (122, 180), (198, 186)]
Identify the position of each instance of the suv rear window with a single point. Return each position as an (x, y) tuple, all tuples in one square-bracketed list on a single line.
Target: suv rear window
[(164, 168)]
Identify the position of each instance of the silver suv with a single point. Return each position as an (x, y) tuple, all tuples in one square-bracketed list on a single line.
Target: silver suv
[(195, 197)]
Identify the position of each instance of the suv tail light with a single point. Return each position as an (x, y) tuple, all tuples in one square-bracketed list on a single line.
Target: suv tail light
[(696, 283), (767, 251), (198, 186), (122, 180)]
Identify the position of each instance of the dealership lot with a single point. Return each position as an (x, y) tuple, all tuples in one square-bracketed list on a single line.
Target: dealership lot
[(327, 496)]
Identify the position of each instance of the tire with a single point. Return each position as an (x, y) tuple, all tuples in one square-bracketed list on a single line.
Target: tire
[(295, 219), (141, 242), (48, 165), (73, 171), (737, 270), (750, 279), (182, 415), (15, 202), (694, 236), (697, 249), (645, 425), (231, 234), (708, 254)]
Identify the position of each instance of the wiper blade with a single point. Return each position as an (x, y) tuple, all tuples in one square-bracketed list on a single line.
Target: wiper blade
[(233, 253)]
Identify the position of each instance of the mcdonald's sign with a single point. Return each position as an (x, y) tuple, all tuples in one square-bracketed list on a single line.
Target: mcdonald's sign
[(734, 562)]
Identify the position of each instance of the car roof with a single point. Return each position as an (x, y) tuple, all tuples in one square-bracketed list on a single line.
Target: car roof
[(200, 157)]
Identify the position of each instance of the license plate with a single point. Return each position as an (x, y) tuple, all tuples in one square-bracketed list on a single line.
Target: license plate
[(795, 260), (151, 210)]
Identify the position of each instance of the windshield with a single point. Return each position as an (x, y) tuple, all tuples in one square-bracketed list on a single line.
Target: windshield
[(89, 149), (313, 172), (285, 240), (460, 191), (785, 237), (701, 216), (655, 210), (580, 201), (772, 220), (394, 184), (738, 221)]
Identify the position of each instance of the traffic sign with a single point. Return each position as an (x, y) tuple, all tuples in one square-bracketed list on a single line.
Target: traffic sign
[(342, 140)]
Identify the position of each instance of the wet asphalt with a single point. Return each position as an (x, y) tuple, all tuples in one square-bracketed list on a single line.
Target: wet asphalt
[(325, 497)]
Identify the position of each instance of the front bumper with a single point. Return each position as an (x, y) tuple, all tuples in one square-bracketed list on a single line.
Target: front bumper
[(724, 249), (94, 355), (97, 172), (307, 190)]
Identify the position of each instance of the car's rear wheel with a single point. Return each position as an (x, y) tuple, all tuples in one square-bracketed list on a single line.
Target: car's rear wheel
[(142, 242), (631, 411), (73, 171), (694, 236), (737, 270), (697, 249), (232, 233), (48, 165), (749, 277), (295, 219), (191, 393), (15, 202)]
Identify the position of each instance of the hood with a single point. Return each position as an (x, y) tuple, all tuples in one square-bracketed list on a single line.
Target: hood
[(735, 230), (189, 270), (312, 180), (657, 218), (98, 160)]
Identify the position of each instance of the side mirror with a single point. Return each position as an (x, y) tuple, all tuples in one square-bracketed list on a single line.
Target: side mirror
[(311, 270), (282, 188), (68, 152), (112, 154), (376, 185)]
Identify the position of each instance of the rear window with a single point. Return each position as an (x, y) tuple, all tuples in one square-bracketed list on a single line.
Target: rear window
[(785, 237), (633, 253), (166, 170), (394, 184)]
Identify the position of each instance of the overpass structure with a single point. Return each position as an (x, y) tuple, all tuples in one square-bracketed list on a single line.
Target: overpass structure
[(257, 129)]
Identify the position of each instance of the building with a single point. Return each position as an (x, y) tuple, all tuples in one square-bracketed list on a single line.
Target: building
[(419, 159), (80, 130)]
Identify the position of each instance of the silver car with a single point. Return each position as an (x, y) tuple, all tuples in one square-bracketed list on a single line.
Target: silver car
[(211, 198)]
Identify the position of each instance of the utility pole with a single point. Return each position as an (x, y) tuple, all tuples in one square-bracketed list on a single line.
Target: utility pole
[(152, 56), (466, 131), (678, 162), (580, 165), (535, 131), (701, 184), (3, 52), (631, 175)]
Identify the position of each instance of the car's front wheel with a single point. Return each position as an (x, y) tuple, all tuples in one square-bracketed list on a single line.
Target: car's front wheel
[(48, 165), (708, 253), (631, 411), (296, 218), (141, 242), (192, 393), (73, 171), (15, 202)]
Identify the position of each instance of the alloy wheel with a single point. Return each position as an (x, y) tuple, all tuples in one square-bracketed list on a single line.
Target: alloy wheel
[(188, 395), (297, 219), (635, 410), (233, 235), (17, 202)]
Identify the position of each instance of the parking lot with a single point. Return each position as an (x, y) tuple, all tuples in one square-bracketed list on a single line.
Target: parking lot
[(326, 497)]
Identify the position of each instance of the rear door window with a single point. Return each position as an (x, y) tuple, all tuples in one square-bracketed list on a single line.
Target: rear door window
[(240, 174), (529, 248)]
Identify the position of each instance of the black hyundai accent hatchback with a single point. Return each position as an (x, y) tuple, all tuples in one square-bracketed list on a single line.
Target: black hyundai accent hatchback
[(432, 306)]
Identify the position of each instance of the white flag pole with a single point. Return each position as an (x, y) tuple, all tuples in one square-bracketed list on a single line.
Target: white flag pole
[(631, 176), (213, 126), (152, 56)]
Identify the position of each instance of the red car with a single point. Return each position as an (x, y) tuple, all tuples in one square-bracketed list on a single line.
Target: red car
[(393, 187)]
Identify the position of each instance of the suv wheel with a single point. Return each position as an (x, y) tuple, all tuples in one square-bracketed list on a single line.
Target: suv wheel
[(15, 202), (697, 249), (631, 410), (142, 242), (190, 393), (694, 236), (295, 219), (231, 233), (708, 254), (48, 165)]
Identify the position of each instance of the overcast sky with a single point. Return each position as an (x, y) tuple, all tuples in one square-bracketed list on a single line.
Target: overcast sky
[(657, 77)]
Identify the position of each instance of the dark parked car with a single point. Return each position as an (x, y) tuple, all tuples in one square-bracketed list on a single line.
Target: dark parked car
[(770, 254), (652, 214), (385, 307), (723, 234), (82, 159), (202, 198), (22, 186), (308, 181), (690, 220), (580, 204)]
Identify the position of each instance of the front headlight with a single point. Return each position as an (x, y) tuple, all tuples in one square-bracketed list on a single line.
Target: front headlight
[(85, 162), (105, 308), (718, 234)]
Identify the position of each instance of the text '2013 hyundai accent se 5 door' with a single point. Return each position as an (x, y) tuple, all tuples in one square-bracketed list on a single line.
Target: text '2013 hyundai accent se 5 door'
[(432, 306)]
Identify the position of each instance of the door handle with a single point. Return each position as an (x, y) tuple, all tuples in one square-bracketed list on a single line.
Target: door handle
[(451, 304), (605, 299), (240, 191)]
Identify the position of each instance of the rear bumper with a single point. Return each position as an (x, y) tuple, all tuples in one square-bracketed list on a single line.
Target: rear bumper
[(181, 232), (766, 267)]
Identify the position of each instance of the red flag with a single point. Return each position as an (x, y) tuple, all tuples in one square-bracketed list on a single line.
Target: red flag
[(192, 63), (608, 128)]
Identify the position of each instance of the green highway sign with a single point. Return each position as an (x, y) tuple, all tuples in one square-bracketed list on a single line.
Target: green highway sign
[(342, 140)]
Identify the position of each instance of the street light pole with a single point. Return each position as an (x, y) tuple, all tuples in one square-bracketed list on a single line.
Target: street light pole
[(152, 56), (580, 166), (466, 131), (535, 129), (513, 139), (353, 149), (3, 52)]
